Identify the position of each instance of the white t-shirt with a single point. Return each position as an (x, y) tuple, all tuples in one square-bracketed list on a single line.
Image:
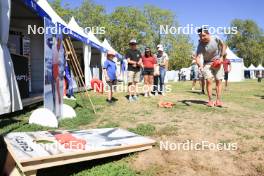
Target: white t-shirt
[(162, 58)]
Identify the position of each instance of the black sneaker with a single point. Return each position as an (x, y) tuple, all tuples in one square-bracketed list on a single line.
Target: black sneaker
[(109, 101), (114, 99)]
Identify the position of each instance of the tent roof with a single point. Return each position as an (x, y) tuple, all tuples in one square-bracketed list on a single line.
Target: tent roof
[(260, 67), (251, 67), (231, 56), (108, 46), (94, 39), (49, 10), (72, 25)]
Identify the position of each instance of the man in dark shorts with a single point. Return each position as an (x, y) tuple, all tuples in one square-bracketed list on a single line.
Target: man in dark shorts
[(227, 69), (134, 61)]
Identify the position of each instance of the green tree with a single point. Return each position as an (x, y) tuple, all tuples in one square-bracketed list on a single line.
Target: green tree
[(180, 51), (248, 42), (63, 11), (126, 23), (157, 17), (92, 16)]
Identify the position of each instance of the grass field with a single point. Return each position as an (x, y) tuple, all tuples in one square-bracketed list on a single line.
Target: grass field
[(240, 121)]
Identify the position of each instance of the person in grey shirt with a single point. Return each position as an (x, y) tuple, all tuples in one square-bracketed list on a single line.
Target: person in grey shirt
[(212, 49)]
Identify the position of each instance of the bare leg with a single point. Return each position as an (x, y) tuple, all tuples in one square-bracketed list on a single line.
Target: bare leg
[(110, 93), (209, 89), (218, 89), (193, 84), (135, 89), (146, 86), (150, 83)]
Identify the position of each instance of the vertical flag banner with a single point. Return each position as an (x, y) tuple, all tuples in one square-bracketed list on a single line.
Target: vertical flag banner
[(53, 68)]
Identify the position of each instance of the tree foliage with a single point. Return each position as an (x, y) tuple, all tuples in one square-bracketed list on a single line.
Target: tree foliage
[(248, 43)]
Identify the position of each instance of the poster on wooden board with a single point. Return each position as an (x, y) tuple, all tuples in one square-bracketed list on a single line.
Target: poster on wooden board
[(29, 145)]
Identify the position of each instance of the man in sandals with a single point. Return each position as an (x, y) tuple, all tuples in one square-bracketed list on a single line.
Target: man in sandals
[(212, 49)]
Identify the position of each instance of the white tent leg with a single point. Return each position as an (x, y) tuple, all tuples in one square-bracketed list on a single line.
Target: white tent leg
[(87, 70)]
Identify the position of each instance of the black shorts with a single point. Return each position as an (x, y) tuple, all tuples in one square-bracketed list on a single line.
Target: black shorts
[(148, 71), (226, 76), (111, 83)]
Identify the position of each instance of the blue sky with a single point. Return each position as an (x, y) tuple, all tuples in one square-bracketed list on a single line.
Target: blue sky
[(213, 13)]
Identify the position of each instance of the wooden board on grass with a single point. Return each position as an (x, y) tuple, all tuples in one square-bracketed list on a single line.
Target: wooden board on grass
[(37, 150)]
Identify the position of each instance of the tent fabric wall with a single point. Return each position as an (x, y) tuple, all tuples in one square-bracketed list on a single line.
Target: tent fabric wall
[(237, 72), (10, 100), (87, 69)]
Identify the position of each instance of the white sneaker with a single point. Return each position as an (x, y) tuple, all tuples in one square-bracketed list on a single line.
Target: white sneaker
[(146, 95), (130, 99), (156, 93), (135, 98), (162, 93), (150, 94), (65, 97), (193, 88), (72, 98)]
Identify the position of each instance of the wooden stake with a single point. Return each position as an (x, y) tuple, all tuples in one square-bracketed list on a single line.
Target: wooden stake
[(76, 67)]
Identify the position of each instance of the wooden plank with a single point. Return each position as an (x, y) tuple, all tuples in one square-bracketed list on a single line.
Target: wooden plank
[(31, 173), (94, 152), (10, 165), (72, 159)]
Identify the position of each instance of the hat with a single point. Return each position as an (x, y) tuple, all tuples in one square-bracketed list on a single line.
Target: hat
[(159, 46), (147, 49), (112, 53), (133, 41), (160, 49)]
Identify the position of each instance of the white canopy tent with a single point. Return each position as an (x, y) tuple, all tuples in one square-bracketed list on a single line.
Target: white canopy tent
[(251, 69), (10, 100), (87, 51), (260, 68), (237, 72)]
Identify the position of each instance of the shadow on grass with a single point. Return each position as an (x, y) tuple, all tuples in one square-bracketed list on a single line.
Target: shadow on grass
[(195, 92), (189, 102), (77, 105), (72, 169), (7, 121), (260, 96)]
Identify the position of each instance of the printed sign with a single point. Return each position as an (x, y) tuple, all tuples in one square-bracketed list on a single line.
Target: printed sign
[(30, 145), (53, 69)]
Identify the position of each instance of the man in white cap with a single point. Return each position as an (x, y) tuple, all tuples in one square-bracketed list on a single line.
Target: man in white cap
[(163, 62), (134, 61)]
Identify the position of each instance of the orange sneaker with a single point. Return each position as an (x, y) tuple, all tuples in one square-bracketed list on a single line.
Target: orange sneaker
[(210, 104), (218, 103)]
